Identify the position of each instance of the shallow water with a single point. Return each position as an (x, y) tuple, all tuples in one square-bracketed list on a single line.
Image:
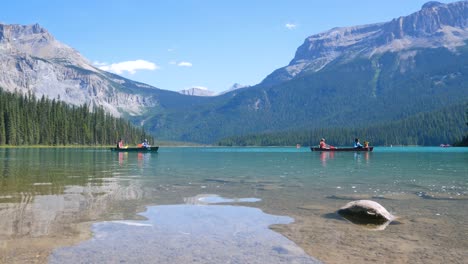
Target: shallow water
[(50, 197), (188, 234)]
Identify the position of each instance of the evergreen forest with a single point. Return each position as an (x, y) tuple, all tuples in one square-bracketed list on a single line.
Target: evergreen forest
[(446, 126), (26, 120)]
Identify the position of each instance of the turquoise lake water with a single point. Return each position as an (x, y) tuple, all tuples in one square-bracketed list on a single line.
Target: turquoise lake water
[(63, 204)]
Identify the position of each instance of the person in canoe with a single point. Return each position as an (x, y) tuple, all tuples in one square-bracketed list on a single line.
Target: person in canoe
[(145, 144), (120, 144), (324, 145), (357, 144), (366, 144)]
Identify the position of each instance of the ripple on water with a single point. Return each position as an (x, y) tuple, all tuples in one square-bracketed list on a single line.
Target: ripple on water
[(189, 233)]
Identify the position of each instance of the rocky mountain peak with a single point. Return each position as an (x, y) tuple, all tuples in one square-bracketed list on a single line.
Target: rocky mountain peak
[(34, 40), (18, 31), (435, 25), (197, 91), (236, 86), (432, 18), (432, 4), (21, 37), (8, 32)]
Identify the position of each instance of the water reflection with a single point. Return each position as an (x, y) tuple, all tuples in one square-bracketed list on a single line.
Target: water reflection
[(325, 156), (122, 157), (142, 158), (368, 226), (359, 156), (46, 193), (188, 234), (49, 170)]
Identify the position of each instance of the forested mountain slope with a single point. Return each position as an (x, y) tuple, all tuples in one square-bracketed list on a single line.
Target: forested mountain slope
[(431, 128), (356, 93)]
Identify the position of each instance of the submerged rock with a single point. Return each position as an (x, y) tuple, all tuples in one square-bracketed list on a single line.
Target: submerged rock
[(367, 212)]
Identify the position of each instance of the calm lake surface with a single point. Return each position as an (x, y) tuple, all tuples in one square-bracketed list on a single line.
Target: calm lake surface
[(230, 205)]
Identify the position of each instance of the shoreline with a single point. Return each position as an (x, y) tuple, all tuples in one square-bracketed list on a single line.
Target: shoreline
[(316, 229)]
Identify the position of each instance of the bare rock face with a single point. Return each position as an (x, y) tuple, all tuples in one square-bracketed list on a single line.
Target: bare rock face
[(435, 25), (367, 212), (32, 60), (197, 91), (37, 42)]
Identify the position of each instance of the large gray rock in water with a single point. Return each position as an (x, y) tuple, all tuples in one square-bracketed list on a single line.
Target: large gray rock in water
[(367, 212)]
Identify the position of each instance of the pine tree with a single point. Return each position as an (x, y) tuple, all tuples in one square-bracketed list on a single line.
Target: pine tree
[(26, 120)]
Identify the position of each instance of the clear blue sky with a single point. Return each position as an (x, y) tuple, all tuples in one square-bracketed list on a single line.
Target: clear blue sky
[(187, 43)]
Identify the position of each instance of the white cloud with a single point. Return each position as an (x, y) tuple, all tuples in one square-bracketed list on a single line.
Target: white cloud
[(184, 64), (290, 26), (128, 66)]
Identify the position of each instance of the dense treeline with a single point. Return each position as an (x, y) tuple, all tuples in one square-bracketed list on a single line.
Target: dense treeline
[(425, 129), (25, 120), (464, 141)]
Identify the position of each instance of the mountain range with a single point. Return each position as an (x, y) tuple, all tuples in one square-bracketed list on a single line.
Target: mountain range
[(344, 77), (33, 61), (198, 91), (202, 91), (435, 25)]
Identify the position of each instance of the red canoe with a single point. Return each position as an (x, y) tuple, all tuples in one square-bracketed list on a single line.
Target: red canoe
[(342, 149)]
